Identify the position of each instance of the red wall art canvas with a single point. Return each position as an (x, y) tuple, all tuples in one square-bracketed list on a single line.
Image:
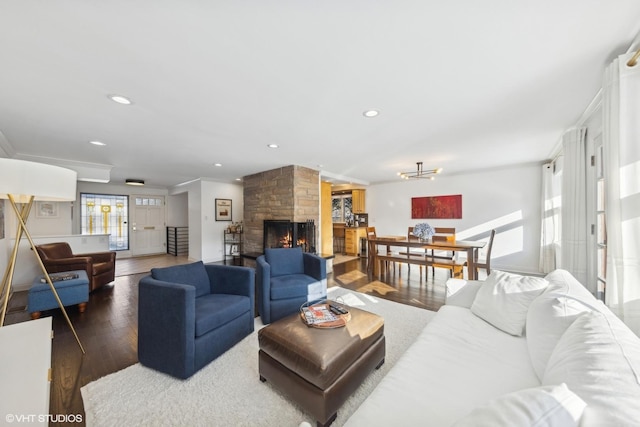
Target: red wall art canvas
[(441, 207)]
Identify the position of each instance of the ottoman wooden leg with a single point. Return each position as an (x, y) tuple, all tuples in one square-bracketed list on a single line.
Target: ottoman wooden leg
[(35, 315), (82, 307)]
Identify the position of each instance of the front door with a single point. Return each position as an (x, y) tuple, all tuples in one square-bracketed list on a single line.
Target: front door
[(147, 225)]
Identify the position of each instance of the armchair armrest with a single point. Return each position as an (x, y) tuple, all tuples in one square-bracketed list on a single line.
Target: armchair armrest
[(263, 278), (314, 266), (100, 256), (166, 320)]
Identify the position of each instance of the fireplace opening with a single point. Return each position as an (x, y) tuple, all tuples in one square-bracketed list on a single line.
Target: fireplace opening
[(289, 234)]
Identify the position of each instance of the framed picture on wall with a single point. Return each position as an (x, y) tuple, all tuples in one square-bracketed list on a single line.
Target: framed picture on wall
[(442, 207), (46, 209), (223, 209)]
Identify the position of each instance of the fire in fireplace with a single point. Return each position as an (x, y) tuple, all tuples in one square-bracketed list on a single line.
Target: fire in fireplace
[(289, 234)]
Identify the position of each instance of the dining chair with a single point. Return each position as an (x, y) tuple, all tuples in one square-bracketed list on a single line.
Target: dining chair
[(414, 252), (442, 234), (371, 248), (486, 262)]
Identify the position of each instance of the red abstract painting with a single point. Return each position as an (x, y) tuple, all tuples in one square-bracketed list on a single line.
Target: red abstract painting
[(441, 207)]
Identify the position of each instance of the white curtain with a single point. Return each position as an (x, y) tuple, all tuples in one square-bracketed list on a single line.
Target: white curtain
[(574, 205), (621, 139), (550, 227)]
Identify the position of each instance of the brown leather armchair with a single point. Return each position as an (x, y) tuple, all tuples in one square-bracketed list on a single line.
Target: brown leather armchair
[(100, 266)]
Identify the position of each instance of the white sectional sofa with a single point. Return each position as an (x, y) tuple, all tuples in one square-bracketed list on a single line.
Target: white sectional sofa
[(564, 360)]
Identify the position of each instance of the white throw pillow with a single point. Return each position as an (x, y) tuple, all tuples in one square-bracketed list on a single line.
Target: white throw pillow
[(549, 316), (598, 357), (462, 292), (504, 299), (541, 406)]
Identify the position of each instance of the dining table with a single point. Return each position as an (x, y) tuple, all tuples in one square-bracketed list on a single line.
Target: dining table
[(468, 246)]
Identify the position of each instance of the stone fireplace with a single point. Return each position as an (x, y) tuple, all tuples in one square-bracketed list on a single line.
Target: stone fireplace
[(290, 194)]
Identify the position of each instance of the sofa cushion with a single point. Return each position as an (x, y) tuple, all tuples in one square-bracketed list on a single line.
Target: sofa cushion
[(284, 261), (193, 274), (504, 298), (551, 313), (541, 406), (598, 358), (456, 364), (214, 310), (291, 286)]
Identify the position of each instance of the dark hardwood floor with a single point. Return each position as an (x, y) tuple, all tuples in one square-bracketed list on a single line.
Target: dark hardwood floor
[(108, 328)]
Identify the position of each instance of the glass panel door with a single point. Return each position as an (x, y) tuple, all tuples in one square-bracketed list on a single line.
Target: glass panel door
[(106, 214)]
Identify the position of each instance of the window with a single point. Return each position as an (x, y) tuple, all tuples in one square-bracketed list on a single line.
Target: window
[(341, 208), (106, 214)]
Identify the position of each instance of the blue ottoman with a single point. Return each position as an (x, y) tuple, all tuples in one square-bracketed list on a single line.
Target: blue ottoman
[(71, 292)]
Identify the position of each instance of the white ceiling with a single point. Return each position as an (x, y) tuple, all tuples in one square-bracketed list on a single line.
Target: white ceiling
[(460, 84)]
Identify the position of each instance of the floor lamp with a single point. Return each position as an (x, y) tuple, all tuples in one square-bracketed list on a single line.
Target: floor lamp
[(23, 183)]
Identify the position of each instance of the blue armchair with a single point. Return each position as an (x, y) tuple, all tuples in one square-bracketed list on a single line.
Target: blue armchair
[(287, 278), (190, 314)]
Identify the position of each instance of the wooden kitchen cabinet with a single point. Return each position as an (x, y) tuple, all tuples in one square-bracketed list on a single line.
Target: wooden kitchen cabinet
[(352, 240), (357, 200)]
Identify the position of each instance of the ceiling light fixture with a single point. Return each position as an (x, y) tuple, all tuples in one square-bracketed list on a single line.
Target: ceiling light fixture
[(371, 113), (98, 143), (120, 99), (420, 173), (218, 165), (272, 145), (132, 181)]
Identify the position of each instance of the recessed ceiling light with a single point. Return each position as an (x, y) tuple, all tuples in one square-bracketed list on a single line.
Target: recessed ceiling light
[(272, 145), (132, 181), (371, 113), (98, 143), (238, 179), (217, 165), (120, 99)]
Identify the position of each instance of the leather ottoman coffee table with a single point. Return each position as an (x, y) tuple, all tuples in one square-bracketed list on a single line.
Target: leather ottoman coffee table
[(320, 368)]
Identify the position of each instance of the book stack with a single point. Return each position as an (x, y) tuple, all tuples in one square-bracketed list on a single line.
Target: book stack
[(58, 277), (318, 314)]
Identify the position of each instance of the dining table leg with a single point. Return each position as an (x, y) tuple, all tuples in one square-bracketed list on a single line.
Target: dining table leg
[(471, 264)]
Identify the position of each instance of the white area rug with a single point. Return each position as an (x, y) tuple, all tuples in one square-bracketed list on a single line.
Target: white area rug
[(228, 391)]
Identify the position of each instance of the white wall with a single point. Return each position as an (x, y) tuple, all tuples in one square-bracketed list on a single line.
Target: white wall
[(205, 233), (213, 231), (178, 210), (506, 199)]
